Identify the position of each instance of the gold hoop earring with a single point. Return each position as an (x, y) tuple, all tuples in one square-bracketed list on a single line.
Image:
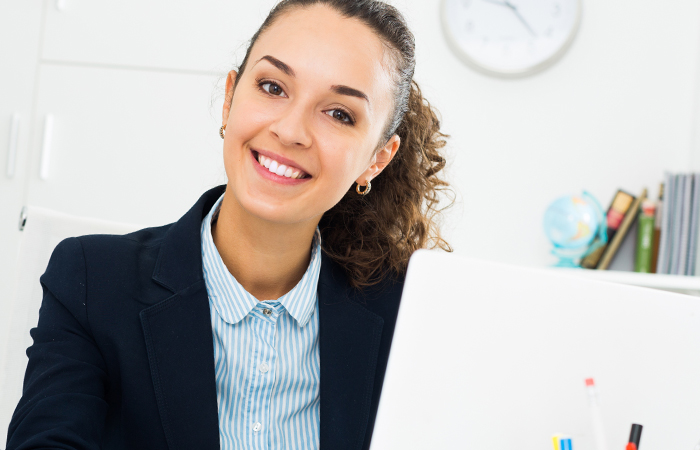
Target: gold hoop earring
[(221, 131), (367, 188)]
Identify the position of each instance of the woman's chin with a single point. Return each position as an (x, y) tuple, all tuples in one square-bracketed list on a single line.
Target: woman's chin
[(277, 212)]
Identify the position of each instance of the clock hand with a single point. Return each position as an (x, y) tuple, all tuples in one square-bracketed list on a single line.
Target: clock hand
[(519, 16), (513, 8)]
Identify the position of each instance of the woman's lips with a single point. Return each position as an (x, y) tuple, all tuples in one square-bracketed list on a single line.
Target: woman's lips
[(280, 160), (280, 169), (273, 175)]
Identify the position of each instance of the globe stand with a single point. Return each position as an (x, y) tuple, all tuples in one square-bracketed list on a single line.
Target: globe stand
[(568, 258)]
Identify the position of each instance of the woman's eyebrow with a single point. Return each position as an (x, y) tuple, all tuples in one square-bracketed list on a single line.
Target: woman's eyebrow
[(345, 90), (279, 64), (337, 88)]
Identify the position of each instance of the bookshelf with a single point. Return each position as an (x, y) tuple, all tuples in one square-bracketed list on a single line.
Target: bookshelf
[(676, 283)]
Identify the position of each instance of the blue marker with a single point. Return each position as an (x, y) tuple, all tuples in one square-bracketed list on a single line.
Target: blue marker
[(565, 444)]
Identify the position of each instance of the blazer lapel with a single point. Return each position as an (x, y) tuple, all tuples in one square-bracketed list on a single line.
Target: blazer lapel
[(179, 338), (181, 355), (349, 338)]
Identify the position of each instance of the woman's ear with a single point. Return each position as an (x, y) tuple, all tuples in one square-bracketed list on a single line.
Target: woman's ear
[(230, 84), (380, 160)]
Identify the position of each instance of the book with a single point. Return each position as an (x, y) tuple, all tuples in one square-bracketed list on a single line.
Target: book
[(619, 206), (678, 220), (614, 244), (624, 256), (686, 216), (645, 237), (694, 228), (666, 243), (657, 230)]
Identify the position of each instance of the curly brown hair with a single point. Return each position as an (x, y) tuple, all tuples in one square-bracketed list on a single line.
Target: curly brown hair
[(374, 235)]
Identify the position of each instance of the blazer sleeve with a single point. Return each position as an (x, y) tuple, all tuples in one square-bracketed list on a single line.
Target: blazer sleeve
[(63, 399)]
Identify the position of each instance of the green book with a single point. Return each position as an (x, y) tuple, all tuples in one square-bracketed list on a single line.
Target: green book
[(645, 238)]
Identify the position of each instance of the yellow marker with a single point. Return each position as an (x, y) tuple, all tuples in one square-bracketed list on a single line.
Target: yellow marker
[(555, 441)]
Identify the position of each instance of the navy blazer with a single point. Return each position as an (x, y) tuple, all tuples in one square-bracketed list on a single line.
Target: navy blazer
[(123, 354)]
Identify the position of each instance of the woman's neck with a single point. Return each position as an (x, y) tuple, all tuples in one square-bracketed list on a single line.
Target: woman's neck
[(267, 259)]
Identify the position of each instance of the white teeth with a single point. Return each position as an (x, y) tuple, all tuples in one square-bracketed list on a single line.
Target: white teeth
[(263, 160), (281, 170)]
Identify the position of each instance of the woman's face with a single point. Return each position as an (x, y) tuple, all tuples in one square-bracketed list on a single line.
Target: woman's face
[(315, 97)]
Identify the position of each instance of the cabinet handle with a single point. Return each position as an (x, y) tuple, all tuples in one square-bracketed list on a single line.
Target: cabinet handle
[(46, 147), (14, 137), (22, 218)]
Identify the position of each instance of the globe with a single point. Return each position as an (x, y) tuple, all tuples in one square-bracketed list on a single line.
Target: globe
[(572, 223)]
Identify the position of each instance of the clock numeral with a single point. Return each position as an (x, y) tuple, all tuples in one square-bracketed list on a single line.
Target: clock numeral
[(466, 3), (470, 27), (549, 32)]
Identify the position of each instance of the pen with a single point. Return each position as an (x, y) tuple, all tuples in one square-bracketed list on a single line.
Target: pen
[(635, 436), (596, 417)]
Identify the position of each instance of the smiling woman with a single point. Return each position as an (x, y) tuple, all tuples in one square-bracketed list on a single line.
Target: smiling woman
[(332, 82), (263, 318)]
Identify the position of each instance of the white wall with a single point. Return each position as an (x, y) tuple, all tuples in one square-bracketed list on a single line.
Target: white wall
[(616, 111)]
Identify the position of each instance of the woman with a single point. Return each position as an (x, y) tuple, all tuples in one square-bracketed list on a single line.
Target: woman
[(263, 317)]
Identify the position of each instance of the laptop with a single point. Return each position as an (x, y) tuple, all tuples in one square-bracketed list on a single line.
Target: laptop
[(488, 356)]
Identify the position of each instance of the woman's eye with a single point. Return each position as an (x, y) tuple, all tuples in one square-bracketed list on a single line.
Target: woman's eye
[(340, 115), (272, 89)]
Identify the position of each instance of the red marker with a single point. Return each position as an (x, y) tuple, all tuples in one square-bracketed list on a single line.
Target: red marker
[(635, 436)]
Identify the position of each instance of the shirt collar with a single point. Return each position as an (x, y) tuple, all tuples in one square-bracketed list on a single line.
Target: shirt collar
[(232, 302)]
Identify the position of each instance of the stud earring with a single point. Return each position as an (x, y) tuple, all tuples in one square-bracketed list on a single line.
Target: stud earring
[(367, 188), (221, 131)]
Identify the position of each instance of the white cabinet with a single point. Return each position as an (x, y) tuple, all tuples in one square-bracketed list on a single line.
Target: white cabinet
[(174, 34), (126, 145), (20, 23), (134, 90)]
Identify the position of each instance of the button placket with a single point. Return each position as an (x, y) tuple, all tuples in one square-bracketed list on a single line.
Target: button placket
[(270, 315)]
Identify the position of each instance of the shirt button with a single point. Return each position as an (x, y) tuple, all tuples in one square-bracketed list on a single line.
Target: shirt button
[(267, 312), (263, 368), (257, 426)]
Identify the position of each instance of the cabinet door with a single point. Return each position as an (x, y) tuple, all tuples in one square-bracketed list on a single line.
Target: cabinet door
[(127, 145), (175, 34), (20, 24)]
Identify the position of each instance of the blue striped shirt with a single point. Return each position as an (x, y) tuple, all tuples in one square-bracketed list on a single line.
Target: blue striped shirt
[(266, 356)]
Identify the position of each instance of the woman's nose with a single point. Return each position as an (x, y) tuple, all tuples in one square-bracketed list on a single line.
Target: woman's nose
[(292, 127)]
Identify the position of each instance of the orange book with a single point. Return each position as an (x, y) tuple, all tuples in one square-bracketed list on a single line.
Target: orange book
[(617, 210), (627, 221)]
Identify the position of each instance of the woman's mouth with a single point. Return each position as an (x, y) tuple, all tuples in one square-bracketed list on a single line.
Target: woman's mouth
[(278, 168)]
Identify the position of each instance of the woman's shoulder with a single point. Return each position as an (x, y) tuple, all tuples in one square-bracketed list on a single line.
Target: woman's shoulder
[(145, 237), (75, 251), (103, 260)]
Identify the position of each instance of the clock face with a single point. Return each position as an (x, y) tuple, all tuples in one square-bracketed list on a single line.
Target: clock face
[(510, 37)]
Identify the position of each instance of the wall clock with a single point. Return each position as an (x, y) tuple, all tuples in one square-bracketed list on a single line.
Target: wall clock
[(510, 37)]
